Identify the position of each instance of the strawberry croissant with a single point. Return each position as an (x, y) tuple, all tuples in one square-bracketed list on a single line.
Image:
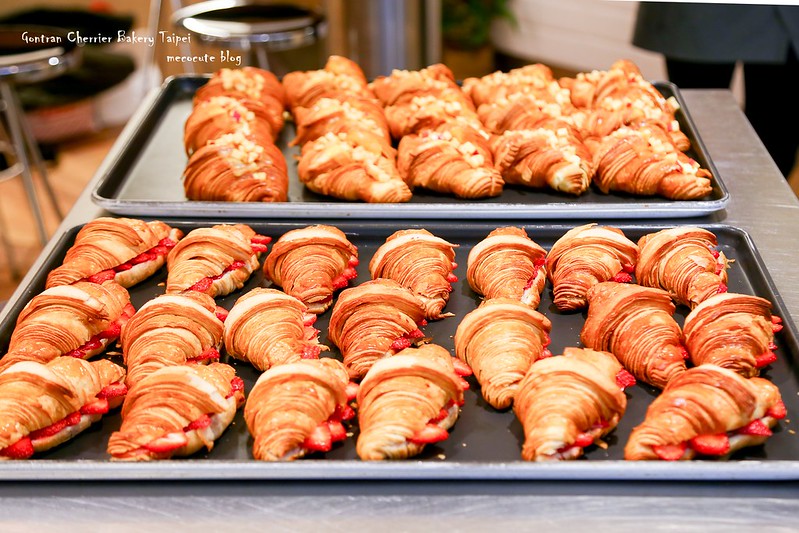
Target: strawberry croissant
[(78, 320), (407, 401), (569, 402), (421, 262), (374, 320), (312, 263), (216, 260), (170, 330), (267, 327), (297, 408), (708, 411), (636, 325), (248, 83), (585, 256), (176, 411), (43, 405), (500, 340), (733, 331), (507, 263), (126, 250), (683, 261)]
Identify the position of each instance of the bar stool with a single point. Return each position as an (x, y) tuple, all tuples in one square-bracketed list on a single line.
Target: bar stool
[(28, 54), (254, 26)]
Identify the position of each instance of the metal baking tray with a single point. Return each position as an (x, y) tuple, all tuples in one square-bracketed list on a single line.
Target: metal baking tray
[(142, 176), (484, 443)]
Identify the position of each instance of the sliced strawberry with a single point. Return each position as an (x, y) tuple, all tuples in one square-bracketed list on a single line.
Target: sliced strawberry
[(115, 390), (777, 411), (221, 313), (630, 269), (203, 422), (684, 353), (202, 286), (309, 320), (461, 368), (622, 277), (765, 359), (545, 353), (210, 354), (158, 251), (93, 344), (343, 412), (142, 258), (111, 332), (124, 267), (236, 385), (454, 265), (337, 431), (102, 276), (670, 452), (722, 288), (756, 428), (583, 440), (167, 443), (311, 351), (714, 253), (235, 265), (442, 414), (22, 449), (166, 241), (540, 262), (429, 434), (320, 439), (352, 390), (73, 419), (452, 278), (624, 379), (718, 444), (97, 407), (353, 261), (400, 344), (422, 323), (48, 431), (258, 248), (261, 239)]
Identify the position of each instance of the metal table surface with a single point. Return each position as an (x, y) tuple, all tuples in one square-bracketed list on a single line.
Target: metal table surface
[(761, 203)]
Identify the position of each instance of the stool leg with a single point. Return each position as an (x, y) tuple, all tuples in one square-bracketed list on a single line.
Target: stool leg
[(13, 267), (17, 139)]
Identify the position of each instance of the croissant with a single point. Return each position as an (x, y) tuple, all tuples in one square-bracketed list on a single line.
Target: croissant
[(568, 403), (341, 114), (220, 115), (507, 263), (339, 166), (78, 320), (236, 168), (536, 79), (709, 411), (683, 261), (402, 86), (373, 320), (170, 330), (644, 162), (521, 111), (297, 408), (499, 341), (407, 401), (733, 331), (175, 411), (44, 405), (248, 83), (311, 264), (123, 249), (421, 262), (456, 160), (587, 89), (340, 75), (552, 155), (216, 260), (636, 325), (430, 110), (633, 113), (267, 327), (585, 256)]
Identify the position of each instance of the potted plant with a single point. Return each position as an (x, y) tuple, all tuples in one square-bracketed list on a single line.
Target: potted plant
[(466, 33)]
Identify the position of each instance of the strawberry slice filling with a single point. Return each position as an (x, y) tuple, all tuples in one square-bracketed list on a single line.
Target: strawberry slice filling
[(765, 359), (159, 250), (211, 354), (310, 351), (776, 324), (429, 434), (777, 411), (624, 379), (586, 438), (204, 284), (684, 353), (221, 313), (108, 334), (236, 385), (330, 431), (406, 340), (351, 390), (622, 277), (722, 288), (259, 243), (628, 268), (343, 279)]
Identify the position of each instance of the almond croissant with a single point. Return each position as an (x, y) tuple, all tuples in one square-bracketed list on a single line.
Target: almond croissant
[(585, 256), (175, 411), (248, 83), (341, 114), (407, 401), (499, 341), (340, 75), (267, 327), (536, 79), (126, 250), (220, 115), (708, 410), (311, 264), (569, 402), (507, 263), (636, 325), (733, 331), (421, 262), (297, 408), (683, 261), (374, 320)]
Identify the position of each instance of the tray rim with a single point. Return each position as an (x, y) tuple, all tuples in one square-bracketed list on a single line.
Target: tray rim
[(415, 470), (329, 210)]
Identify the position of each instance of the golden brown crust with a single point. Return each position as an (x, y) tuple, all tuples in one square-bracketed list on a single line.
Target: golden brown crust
[(220, 115), (568, 402), (170, 330), (705, 400), (636, 325), (500, 340), (682, 261), (585, 256), (732, 331), (206, 253), (535, 80), (404, 396), (421, 262), (340, 75), (246, 83), (507, 263), (105, 243), (159, 410), (371, 321), (342, 113), (290, 402), (312, 263)]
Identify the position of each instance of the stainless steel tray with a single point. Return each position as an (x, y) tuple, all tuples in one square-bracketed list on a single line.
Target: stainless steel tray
[(142, 177), (484, 443)]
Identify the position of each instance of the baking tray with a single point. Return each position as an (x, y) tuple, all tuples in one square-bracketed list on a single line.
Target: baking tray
[(484, 443), (142, 176)]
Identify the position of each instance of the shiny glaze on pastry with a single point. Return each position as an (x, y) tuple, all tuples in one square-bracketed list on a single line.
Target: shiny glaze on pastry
[(340, 75), (247, 83), (342, 113)]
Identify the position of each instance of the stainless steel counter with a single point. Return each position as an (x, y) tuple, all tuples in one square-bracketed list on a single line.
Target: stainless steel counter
[(761, 203)]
